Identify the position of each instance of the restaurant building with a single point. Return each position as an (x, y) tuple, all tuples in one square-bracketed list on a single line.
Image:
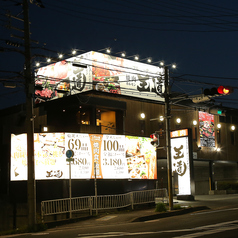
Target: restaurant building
[(104, 109)]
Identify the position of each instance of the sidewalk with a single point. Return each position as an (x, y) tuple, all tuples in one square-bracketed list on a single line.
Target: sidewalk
[(202, 202)]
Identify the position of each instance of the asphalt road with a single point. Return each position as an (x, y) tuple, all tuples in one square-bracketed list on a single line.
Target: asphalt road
[(220, 221)]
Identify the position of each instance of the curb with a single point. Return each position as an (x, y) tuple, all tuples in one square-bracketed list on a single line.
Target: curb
[(169, 214)]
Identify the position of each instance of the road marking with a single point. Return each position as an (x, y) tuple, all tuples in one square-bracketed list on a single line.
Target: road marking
[(106, 218), (152, 220), (223, 210), (209, 232), (40, 234), (200, 231)]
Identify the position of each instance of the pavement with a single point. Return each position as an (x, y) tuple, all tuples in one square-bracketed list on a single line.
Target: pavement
[(201, 202)]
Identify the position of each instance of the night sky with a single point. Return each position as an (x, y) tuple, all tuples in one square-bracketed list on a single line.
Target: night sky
[(200, 36)]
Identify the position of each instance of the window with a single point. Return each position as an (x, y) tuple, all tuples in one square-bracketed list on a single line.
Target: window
[(107, 120)]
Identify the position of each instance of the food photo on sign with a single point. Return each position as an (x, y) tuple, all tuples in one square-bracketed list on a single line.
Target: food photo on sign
[(141, 158), (206, 129)]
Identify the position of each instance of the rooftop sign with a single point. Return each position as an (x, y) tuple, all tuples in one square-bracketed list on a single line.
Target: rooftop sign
[(101, 72)]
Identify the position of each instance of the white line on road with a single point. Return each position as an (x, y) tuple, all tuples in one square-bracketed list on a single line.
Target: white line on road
[(209, 229), (223, 210)]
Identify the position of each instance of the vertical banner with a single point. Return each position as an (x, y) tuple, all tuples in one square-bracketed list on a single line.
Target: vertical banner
[(181, 160), (96, 141), (18, 157), (141, 158), (113, 154), (50, 156), (81, 166), (206, 129)]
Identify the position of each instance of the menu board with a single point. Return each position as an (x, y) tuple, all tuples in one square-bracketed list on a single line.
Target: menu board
[(113, 156)]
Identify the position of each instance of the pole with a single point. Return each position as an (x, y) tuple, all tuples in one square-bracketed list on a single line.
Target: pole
[(31, 192), (168, 142), (70, 191), (95, 186)]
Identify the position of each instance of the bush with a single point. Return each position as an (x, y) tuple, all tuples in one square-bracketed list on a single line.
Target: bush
[(227, 185), (160, 207), (177, 207)]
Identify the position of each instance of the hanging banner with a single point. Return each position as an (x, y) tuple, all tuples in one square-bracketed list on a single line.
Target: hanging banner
[(115, 156), (206, 129)]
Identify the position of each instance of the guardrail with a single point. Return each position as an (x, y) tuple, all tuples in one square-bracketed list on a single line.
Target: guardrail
[(94, 203)]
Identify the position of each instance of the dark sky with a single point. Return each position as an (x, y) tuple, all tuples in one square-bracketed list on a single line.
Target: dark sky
[(200, 36)]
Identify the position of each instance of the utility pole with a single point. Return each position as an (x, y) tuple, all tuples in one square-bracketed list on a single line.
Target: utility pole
[(168, 142), (29, 87)]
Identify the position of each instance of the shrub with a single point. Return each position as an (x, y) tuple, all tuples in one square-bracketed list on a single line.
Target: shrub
[(160, 207), (177, 207)]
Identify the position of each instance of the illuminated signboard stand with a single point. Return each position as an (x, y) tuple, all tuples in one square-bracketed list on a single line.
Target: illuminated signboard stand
[(182, 163)]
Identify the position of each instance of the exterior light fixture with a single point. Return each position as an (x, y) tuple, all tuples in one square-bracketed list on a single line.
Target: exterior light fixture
[(149, 60), (161, 118), (233, 127), (195, 122), (60, 56), (123, 54), (219, 126), (108, 50), (218, 149), (174, 66), (74, 52), (142, 115), (178, 120), (136, 57), (48, 60), (161, 63), (45, 129), (37, 64)]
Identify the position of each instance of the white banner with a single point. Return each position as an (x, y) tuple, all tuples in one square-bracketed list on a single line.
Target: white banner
[(181, 164), (115, 156)]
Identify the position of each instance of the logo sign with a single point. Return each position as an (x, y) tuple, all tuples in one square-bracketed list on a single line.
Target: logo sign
[(181, 160), (100, 72)]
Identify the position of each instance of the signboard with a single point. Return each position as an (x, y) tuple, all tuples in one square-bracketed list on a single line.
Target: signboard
[(103, 73), (115, 156), (206, 129), (181, 161)]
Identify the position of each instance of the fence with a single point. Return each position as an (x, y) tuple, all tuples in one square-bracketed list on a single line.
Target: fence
[(95, 203)]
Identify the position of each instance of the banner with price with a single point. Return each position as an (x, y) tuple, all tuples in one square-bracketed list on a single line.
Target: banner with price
[(115, 156)]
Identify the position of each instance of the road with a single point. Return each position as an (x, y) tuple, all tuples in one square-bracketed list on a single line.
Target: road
[(217, 222)]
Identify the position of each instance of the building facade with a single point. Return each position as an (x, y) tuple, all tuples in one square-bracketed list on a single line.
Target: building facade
[(132, 105)]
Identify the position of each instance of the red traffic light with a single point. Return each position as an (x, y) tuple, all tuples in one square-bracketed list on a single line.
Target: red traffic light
[(224, 90), (221, 90)]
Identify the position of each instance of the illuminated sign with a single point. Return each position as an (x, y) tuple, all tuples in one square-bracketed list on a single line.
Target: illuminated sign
[(181, 162), (115, 156), (100, 72), (206, 129), (179, 133)]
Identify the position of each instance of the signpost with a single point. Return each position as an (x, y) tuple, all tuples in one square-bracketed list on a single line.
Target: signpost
[(69, 155)]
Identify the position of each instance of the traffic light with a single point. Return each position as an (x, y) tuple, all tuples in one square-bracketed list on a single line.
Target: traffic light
[(155, 139), (224, 90), (217, 111), (221, 90)]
